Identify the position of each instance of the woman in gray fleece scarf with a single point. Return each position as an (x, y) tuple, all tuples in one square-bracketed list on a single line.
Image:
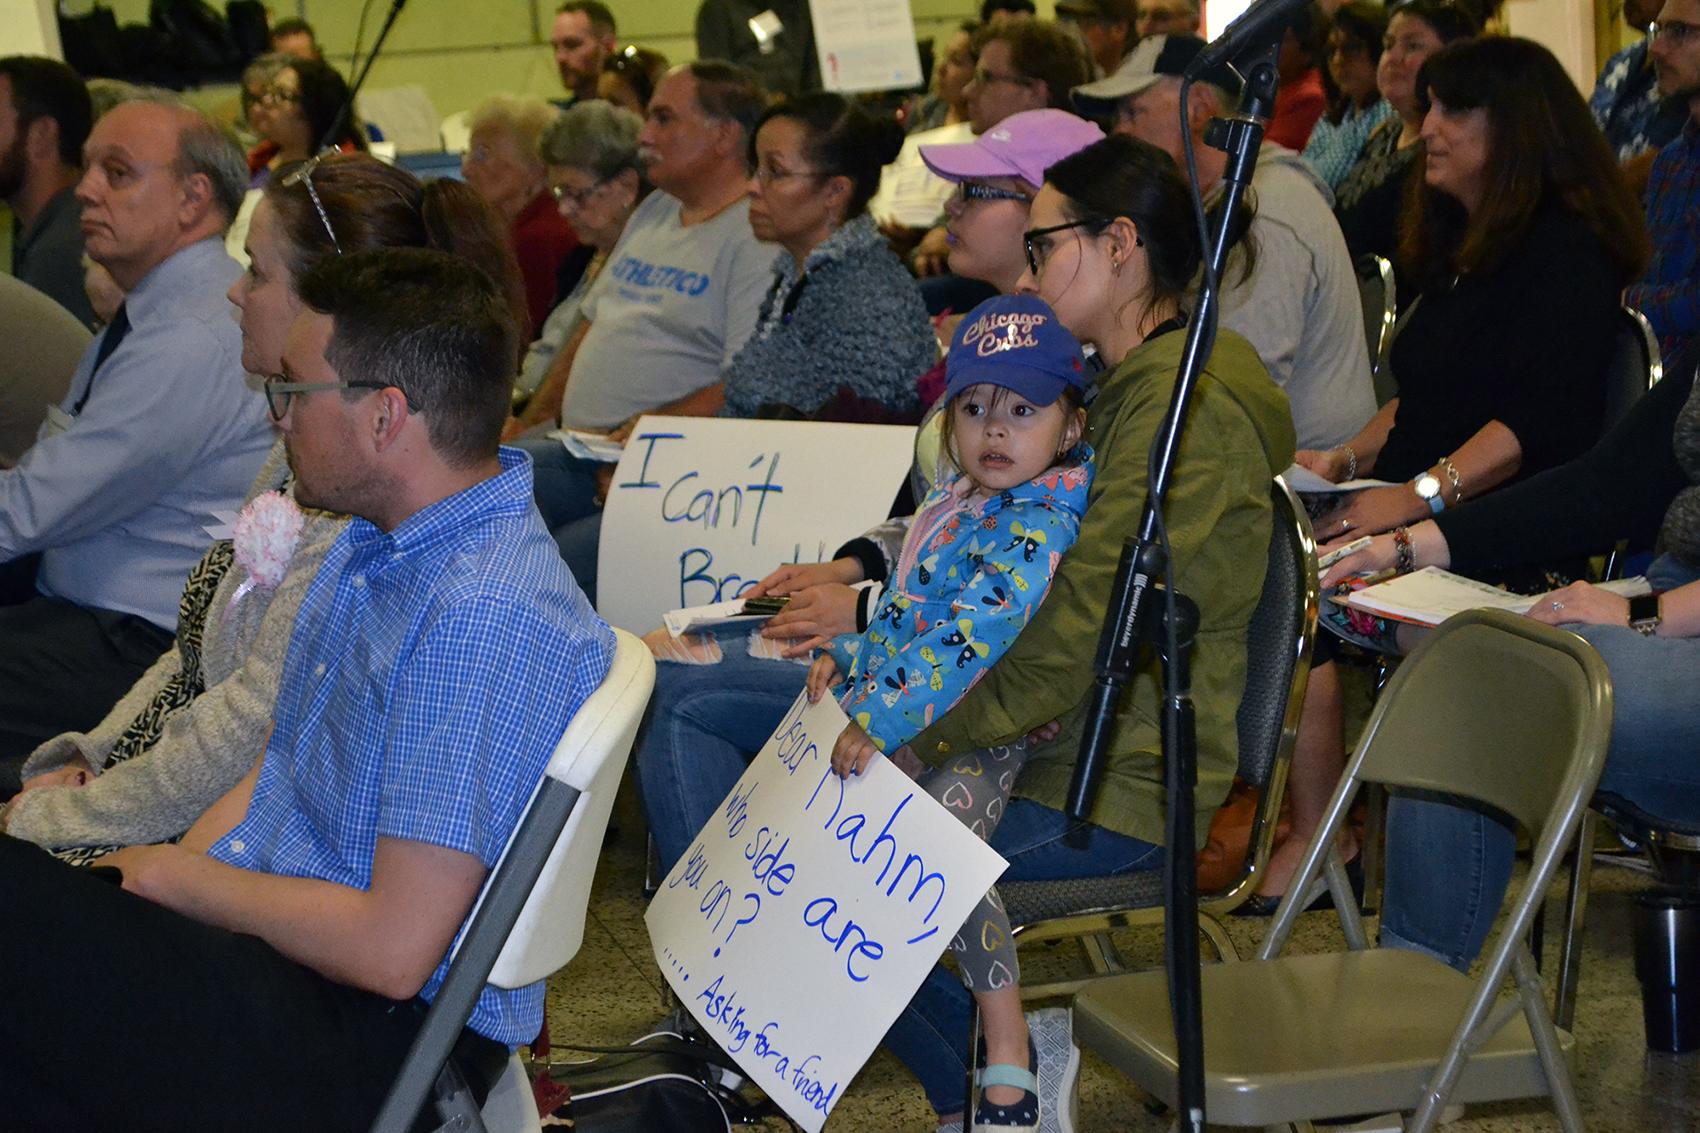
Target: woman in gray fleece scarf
[(199, 718)]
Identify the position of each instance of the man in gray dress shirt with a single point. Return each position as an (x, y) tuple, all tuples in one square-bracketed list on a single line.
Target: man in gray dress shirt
[(44, 120), (156, 432)]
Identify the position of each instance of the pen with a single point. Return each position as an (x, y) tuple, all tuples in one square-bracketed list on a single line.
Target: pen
[(1339, 553)]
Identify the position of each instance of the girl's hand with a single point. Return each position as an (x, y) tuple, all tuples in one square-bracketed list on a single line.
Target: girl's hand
[(1381, 554), (853, 751), (1045, 732), (793, 577), (821, 675), (813, 617), (1372, 511), (1581, 602), (1330, 464)]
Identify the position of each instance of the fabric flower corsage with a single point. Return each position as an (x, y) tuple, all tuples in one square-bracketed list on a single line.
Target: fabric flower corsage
[(267, 531)]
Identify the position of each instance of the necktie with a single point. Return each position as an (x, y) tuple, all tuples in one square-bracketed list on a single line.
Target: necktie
[(115, 332)]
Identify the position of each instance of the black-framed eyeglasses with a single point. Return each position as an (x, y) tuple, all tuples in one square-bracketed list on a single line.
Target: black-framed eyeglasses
[(303, 175), (279, 389), (986, 78), (564, 193), (1036, 252), (1673, 31), (968, 192)]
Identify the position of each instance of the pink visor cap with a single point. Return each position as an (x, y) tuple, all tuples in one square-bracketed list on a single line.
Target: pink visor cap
[(1023, 145)]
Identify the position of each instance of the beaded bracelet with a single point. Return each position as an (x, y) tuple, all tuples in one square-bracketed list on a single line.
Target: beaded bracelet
[(1404, 555)]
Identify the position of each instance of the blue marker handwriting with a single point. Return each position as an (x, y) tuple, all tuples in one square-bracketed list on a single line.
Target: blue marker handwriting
[(685, 499)]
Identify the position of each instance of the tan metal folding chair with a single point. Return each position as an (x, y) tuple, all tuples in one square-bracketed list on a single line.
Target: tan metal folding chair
[(1493, 708)]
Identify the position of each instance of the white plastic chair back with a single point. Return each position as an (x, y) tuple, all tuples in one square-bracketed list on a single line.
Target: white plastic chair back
[(589, 758)]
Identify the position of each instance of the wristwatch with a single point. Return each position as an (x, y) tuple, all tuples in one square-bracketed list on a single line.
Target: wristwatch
[(1428, 490), (1644, 614)]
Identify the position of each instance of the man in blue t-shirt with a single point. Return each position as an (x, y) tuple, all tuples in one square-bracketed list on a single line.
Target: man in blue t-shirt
[(306, 919)]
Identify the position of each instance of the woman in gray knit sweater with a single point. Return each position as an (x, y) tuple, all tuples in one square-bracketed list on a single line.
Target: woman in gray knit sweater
[(198, 719), (842, 313)]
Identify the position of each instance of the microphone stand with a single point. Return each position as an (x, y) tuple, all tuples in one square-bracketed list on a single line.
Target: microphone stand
[(1172, 623), (346, 110)]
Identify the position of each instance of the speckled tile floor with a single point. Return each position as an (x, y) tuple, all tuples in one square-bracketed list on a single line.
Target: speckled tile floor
[(612, 991)]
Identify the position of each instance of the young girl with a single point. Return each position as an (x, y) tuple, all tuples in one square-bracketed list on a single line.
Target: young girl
[(977, 561)]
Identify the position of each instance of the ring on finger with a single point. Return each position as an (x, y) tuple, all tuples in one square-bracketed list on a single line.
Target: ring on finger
[(1557, 605)]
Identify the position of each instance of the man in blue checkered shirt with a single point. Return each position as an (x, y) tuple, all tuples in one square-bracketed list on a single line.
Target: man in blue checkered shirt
[(271, 970)]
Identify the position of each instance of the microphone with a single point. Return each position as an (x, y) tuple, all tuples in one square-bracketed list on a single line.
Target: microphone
[(1258, 29)]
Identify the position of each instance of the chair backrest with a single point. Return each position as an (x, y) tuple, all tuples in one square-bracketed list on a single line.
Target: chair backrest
[(1492, 707), (47, 343), (1635, 366), (590, 758), (1279, 640), (529, 918), (1278, 646), (1377, 292), (1497, 708)]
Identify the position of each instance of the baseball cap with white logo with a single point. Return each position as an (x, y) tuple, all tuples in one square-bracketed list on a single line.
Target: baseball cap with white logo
[(1014, 341)]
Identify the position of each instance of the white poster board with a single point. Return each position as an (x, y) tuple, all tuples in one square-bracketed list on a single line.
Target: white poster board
[(810, 908), (702, 508), (865, 45)]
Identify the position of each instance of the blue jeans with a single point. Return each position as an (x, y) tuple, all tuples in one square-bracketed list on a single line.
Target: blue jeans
[(1448, 866), (565, 490), (705, 724), (931, 1036)]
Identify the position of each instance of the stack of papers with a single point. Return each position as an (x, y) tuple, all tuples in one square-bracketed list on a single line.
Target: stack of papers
[(589, 446), (1429, 596), (1302, 479)]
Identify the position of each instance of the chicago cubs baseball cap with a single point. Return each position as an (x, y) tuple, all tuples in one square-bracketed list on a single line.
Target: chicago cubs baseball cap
[(1014, 341)]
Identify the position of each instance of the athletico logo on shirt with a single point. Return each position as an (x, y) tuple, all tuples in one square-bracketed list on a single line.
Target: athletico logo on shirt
[(660, 277)]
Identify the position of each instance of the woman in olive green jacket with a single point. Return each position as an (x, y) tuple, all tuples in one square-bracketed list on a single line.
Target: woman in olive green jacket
[(1111, 247)]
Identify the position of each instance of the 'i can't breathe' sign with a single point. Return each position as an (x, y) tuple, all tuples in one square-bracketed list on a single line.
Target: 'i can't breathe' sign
[(809, 909)]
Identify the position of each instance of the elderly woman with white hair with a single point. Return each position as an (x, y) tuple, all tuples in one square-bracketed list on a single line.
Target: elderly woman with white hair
[(503, 166)]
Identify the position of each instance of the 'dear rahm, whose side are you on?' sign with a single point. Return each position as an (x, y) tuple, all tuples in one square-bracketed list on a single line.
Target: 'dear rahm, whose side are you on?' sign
[(809, 909)]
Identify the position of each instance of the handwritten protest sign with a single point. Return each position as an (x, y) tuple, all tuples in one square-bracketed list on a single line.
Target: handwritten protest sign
[(701, 508), (809, 909), (865, 44)]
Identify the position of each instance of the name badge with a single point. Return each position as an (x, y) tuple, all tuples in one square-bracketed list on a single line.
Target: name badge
[(58, 420), (765, 28)]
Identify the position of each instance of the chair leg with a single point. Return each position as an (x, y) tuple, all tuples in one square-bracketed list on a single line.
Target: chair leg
[(1575, 917), (1217, 934), (1546, 1042), (1101, 954), (651, 868), (973, 1056)]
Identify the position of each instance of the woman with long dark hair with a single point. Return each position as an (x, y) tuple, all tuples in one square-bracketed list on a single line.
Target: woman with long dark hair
[(1355, 107), (299, 107), (1522, 233), (1113, 248)]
